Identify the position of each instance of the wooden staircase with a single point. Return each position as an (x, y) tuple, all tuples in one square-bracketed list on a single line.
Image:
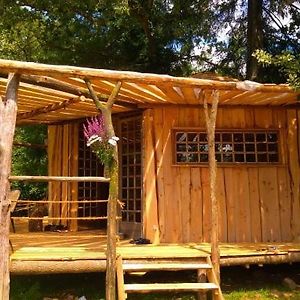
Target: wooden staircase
[(135, 266)]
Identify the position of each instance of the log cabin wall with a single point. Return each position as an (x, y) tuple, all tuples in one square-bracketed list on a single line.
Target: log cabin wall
[(258, 203), (63, 161)]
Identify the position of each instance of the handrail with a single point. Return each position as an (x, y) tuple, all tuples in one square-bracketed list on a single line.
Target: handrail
[(59, 178)]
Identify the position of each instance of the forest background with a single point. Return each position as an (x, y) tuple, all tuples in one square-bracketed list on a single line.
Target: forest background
[(255, 40)]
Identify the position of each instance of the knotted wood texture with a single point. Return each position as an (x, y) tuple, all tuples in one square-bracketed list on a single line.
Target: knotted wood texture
[(8, 113), (106, 110), (210, 120)]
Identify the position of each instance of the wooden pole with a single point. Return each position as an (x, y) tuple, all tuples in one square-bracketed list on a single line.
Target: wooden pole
[(106, 110), (31, 68), (59, 178), (8, 113), (210, 120)]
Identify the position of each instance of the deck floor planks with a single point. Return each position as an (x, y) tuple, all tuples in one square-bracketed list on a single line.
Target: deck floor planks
[(61, 246)]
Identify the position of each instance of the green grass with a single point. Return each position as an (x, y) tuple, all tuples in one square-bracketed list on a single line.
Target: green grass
[(238, 283)]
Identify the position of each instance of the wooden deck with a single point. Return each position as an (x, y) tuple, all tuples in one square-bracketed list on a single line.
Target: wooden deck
[(52, 252)]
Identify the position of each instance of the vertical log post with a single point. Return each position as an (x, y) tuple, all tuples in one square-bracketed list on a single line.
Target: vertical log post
[(106, 110), (8, 113), (210, 120)]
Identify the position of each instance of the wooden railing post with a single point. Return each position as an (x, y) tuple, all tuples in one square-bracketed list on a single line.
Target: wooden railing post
[(111, 256), (210, 120), (8, 114)]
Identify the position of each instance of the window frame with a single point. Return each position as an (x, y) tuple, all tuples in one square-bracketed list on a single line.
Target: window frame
[(231, 131)]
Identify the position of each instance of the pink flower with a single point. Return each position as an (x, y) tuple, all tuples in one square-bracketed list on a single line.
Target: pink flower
[(94, 127)]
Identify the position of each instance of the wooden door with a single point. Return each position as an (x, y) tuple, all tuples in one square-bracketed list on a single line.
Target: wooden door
[(130, 132)]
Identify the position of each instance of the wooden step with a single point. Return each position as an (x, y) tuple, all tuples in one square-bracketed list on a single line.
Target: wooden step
[(130, 267), (169, 287)]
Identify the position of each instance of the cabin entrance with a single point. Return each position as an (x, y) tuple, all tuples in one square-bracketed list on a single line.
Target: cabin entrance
[(89, 165), (130, 149)]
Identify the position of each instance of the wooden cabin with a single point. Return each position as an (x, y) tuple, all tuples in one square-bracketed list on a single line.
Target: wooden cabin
[(163, 153), (164, 176)]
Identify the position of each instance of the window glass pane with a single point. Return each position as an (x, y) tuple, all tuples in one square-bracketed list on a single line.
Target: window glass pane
[(193, 148), (238, 147), (273, 158), (262, 157), (181, 157), (272, 137), (239, 157), (193, 137), (261, 147), (202, 137), (250, 157), (272, 147), (203, 147), (181, 147), (249, 137), (238, 137), (218, 147), (203, 157), (227, 157), (226, 137), (180, 136), (218, 157), (260, 137), (250, 147)]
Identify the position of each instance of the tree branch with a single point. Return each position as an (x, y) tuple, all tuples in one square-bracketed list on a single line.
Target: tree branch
[(112, 97), (94, 96)]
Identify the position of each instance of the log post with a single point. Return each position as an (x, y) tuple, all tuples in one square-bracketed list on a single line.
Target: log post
[(210, 120), (8, 114), (106, 110)]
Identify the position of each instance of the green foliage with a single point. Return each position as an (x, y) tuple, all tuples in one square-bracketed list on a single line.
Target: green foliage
[(26, 290), (30, 160), (230, 17), (288, 63)]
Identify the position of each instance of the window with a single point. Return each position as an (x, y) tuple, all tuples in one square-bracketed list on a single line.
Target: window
[(131, 169), (256, 146)]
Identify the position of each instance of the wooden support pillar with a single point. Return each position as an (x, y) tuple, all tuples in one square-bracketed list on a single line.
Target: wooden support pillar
[(106, 110), (201, 277), (210, 120), (8, 114)]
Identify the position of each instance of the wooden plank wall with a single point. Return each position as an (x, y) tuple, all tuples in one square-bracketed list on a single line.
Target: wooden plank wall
[(257, 203), (63, 161)]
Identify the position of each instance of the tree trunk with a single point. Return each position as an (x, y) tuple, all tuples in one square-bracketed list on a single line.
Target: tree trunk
[(8, 114), (254, 37), (111, 213), (210, 118), (111, 256)]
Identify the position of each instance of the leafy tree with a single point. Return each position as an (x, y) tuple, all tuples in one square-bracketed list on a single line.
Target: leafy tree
[(268, 29), (30, 160), (162, 36), (288, 64)]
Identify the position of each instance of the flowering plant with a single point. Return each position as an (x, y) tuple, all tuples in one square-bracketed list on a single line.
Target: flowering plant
[(99, 141)]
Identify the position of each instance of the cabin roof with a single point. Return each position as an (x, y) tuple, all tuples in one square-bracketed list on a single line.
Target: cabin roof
[(55, 93)]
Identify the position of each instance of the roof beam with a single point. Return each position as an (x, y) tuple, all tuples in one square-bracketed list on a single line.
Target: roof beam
[(49, 108), (31, 68), (55, 84)]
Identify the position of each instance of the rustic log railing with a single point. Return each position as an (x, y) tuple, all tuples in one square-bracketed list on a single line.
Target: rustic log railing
[(59, 179)]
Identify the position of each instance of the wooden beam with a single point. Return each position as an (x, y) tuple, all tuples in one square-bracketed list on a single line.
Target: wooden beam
[(8, 112), (58, 178), (31, 68), (210, 120), (58, 85), (49, 108), (29, 145)]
